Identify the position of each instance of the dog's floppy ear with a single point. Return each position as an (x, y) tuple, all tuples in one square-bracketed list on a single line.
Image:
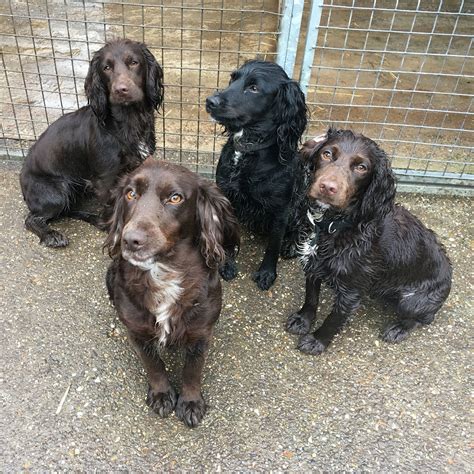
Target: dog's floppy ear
[(378, 199), (113, 241), (291, 114), (95, 89), (154, 79), (219, 231)]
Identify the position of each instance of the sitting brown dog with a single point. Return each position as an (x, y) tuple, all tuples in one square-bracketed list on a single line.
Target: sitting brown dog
[(167, 240), (360, 242)]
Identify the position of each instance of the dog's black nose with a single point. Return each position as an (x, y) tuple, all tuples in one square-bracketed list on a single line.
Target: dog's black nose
[(212, 102), (134, 240)]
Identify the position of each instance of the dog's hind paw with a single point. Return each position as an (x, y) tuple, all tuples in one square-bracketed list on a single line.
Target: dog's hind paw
[(310, 345), (162, 403), (289, 250), (54, 239), (191, 412), (297, 324), (101, 225)]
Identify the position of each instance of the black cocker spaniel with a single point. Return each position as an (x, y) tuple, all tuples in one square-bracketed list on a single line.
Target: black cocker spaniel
[(264, 114)]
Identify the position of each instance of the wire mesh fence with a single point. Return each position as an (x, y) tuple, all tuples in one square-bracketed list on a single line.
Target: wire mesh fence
[(396, 70), (401, 72), (47, 45)]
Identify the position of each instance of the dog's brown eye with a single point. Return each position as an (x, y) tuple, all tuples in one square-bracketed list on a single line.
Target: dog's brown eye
[(131, 195), (175, 198), (107, 67), (253, 88), (133, 63), (361, 168), (326, 155)]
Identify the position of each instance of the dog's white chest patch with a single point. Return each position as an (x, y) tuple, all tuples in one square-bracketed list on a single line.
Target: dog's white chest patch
[(237, 156), (166, 295), (308, 249)]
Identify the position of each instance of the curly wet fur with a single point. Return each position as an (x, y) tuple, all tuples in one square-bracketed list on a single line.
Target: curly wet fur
[(84, 152), (256, 168), (386, 252)]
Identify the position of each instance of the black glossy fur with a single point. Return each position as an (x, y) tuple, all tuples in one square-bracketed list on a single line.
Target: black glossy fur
[(85, 151), (167, 239), (264, 114), (380, 249)]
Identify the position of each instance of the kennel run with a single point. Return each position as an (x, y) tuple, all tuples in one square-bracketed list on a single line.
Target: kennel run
[(397, 71)]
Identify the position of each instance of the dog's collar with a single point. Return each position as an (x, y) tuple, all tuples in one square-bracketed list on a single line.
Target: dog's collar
[(326, 224), (247, 147)]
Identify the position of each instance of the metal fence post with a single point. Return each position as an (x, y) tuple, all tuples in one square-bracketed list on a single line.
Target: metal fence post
[(310, 44), (290, 25)]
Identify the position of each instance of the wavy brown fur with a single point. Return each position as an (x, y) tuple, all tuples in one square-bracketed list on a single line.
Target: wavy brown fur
[(167, 239), (381, 248), (86, 151)]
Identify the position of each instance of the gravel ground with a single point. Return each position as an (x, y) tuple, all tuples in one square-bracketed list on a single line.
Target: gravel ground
[(363, 405)]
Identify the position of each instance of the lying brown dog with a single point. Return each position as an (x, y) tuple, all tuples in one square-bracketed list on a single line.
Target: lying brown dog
[(86, 151)]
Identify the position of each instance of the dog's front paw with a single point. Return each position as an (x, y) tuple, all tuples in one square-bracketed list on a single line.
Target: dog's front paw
[(55, 239), (191, 412), (297, 324), (310, 345), (264, 279), (101, 225), (229, 270), (162, 403), (398, 331)]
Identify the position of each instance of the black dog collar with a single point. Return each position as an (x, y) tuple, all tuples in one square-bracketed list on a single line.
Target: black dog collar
[(328, 225), (248, 147)]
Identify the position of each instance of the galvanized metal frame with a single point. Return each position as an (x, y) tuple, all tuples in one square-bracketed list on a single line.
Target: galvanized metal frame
[(310, 43), (290, 25)]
